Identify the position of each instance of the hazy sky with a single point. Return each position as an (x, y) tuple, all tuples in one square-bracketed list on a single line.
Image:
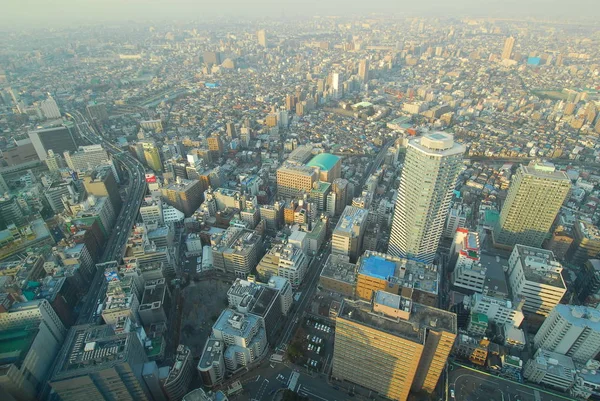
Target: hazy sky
[(76, 12)]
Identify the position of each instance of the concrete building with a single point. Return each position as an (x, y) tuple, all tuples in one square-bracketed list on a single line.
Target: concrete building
[(523, 220), (262, 38), (571, 330), (28, 350), (430, 171), (184, 195), (95, 363), (236, 251), (329, 166), (101, 182), (509, 43), (469, 273), (284, 260), (551, 369), (392, 345), (339, 275), (478, 324), (180, 375), (457, 218), (211, 365), (586, 243), (499, 311), (535, 276), (244, 337), (200, 395), (151, 155), (86, 158), (348, 234), (50, 108), (58, 139), (294, 180), (476, 351), (156, 302), (587, 284)]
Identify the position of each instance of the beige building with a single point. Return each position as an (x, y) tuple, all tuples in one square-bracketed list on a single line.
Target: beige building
[(392, 346), (348, 234), (533, 201), (293, 179)]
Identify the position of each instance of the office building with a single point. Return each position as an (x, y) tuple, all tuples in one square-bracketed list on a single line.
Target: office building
[(152, 212), (244, 337), (348, 234), (49, 108), (344, 193), (236, 250), (535, 277), (476, 351), (571, 330), (498, 310), (181, 374), (586, 243), (211, 365), (212, 58), (284, 260), (478, 324), (363, 70), (392, 345), (200, 395), (431, 168), (28, 350), (184, 195), (101, 182), (293, 180), (509, 43), (262, 38), (339, 275), (97, 364), (551, 369), (457, 218), (250, 297), (58, 139), (587, 284), (97, 112), (10, 211), (534, 198), (86, 158), (329, 166), (469, 273), (152, 155), (156, 302), (215, 144)]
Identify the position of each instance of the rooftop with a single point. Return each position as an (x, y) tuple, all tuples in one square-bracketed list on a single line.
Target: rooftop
[(377, 267), (90, 348), (229, 319), (213, 350), (351, 219), (324, 161), (338, 268), (544, 170), (554, 363), (421, 317), (580, 316), (540, 266)]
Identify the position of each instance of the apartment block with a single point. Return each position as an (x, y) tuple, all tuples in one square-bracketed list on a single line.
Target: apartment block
[(535, 276)]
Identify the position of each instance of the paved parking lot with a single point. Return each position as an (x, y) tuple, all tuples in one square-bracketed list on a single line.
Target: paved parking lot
[(470, 385), (319, 344)]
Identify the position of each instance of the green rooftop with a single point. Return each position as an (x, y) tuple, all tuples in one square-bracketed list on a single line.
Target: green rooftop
[(324, 161)]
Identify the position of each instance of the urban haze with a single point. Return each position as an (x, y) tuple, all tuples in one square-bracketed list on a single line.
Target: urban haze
[(285, 200)]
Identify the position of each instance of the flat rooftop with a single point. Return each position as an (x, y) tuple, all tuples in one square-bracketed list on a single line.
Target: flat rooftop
[(336, 268), (350, 219), (421, 317), (266, 297), (377, 267), (495, 279), (324, 161), (540, 266)]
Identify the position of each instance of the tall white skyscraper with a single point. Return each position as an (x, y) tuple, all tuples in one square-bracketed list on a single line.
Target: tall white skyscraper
[(431, 168)]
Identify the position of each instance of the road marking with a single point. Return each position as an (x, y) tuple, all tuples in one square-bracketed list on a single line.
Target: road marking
[(304, 389)]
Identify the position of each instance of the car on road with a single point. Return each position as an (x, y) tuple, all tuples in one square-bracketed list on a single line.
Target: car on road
[(452, 393)]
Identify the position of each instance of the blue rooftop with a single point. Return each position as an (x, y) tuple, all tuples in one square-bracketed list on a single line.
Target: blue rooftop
[(377, 267), (324, 161)]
